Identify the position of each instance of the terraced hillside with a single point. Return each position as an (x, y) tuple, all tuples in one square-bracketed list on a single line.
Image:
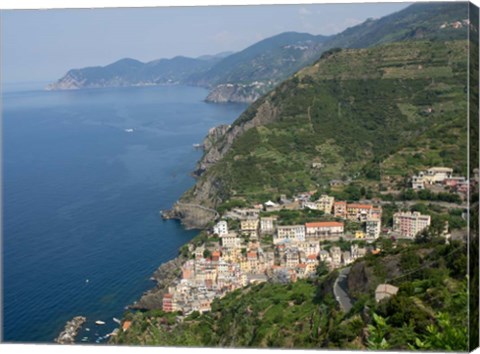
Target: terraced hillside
[(372, 114)]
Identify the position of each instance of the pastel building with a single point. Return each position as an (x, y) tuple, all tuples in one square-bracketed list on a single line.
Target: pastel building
[(373, 228), (323, 229), (230, 240), (250, 226), (267, 225), (293, 233), (358, 212), (409, 224), (340, 209), (325, 203)]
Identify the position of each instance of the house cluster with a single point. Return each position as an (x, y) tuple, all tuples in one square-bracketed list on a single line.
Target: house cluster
[(233, 265), (300, 260), (456, 24), (203, 280), (440, 176), (367, 214), (409, 224), (239, 259)]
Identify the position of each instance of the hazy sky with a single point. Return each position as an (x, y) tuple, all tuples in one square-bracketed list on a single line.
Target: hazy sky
[(42, 45)]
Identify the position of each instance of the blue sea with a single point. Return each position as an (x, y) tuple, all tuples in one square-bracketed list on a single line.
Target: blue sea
[(82, 233)]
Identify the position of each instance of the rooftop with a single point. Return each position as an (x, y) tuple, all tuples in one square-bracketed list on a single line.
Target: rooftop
[(324, 224), (360, 206)]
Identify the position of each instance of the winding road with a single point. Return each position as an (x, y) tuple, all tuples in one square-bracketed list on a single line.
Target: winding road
[(340, 290)]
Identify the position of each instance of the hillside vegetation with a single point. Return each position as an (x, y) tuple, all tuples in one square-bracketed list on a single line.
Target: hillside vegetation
[(372, 115), (270, 60), (418, 21)]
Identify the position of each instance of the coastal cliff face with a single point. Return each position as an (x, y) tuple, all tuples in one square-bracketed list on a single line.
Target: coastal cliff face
[(68, 82), (220, 139), (236, 93), (196, 207), (164, 277)]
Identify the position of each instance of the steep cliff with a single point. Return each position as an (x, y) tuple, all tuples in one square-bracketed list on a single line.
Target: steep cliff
[(236, 93)]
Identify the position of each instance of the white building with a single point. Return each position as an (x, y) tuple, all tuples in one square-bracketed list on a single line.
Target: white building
[(267, 225), (323, 228), (418, 182), (336, 254), (294, 233), (221, 228), (230, 240), (438, 174), (309, 247), (373, 228)]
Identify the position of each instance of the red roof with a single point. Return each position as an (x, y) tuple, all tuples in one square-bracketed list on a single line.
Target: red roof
[(312, 256), (323, 224), (252, 254), (302, 265), (126, 325), (168, 296), (360, 206), (342, 203)]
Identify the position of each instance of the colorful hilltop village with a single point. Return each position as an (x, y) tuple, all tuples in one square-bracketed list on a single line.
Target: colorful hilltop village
[(261, 247)]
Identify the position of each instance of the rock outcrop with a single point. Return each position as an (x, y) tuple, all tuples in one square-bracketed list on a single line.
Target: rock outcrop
[(192, 216), (67, 336), (221, 139), (235, 93), (165, 275)]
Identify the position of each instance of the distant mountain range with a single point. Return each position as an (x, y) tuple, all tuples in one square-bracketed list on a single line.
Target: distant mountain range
[(246, 75), (131, 72)]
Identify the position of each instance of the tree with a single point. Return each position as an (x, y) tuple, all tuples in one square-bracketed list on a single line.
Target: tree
[(376, 338), (443, 335), (408, 194), (321, 269), (207, 253), (426, 235)]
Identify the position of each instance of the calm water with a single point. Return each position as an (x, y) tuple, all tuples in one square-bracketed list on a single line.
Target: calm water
[(81, 199)]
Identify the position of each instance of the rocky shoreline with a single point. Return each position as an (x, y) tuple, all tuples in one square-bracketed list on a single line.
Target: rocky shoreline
[(67, 336), (164, 276)]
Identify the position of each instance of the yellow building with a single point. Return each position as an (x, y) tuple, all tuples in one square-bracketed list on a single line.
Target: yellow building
[(325, 203), (250, 224), (360, 235)]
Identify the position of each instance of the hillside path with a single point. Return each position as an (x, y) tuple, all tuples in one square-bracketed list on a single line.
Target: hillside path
[(340, 290)]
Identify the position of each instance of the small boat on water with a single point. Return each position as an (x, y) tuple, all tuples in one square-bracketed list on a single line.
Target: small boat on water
[(99, 323), (117, 320), (198, 146), (129, 130)]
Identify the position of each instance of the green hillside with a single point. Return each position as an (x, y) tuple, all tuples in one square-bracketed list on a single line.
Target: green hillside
[(373, 115), (429, 312), (272, 59), (418, 21)]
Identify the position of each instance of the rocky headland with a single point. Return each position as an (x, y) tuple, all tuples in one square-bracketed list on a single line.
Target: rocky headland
[(164, 276), (67, 336)]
